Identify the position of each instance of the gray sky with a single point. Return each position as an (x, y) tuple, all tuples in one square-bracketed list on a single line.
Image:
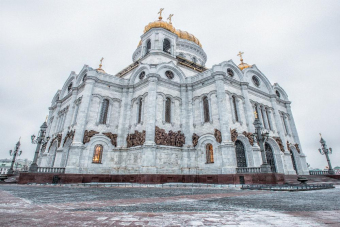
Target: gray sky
[(294, 43)]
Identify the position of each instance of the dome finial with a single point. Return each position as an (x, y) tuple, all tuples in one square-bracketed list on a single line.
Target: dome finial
[(160, 13), (100, 66), (240, 54), (169, 18)]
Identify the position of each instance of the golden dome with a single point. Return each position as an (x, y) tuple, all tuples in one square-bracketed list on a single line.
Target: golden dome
[(244, 66), (171, 28)]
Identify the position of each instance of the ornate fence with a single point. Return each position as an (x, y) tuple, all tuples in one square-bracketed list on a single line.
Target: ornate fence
[(50, 170), (288, 187), (248, 170), (321, 172)]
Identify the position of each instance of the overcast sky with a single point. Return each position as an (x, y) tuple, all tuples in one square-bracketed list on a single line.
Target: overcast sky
[(294, 43)]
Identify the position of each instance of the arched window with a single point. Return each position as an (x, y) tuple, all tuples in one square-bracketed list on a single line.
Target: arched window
[(235, 108), (269, 125), (168, 110), (256, 81), (69, 88), (240, 154), (167, 46), (210, 153), (84, 78), (148, 46), (270, 157), (97, 154), (140, 109), (278, 94), (230, 72), (206, 109), (263, 119), (104, 111)]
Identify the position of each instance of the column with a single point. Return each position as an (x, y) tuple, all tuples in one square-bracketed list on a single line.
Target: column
[(151, 109), (125, 114), (264, 114), (248, 107)]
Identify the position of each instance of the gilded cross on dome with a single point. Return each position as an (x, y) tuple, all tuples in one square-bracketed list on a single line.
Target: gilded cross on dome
[(100, 66), (240, 54), (169, 18), (160, 13)]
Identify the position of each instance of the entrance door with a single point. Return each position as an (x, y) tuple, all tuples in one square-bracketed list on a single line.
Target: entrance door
[(270, 157), (240, 154)]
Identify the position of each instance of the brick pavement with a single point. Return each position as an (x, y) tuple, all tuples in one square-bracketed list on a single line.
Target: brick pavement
[(19, 206)]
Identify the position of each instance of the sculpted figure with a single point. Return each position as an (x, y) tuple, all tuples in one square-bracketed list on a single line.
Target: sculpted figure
[(279, 142), (195, 138), (218, 136), (233, 134), (249, 135)]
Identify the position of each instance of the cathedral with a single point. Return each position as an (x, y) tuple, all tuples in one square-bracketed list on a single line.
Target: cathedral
[(167, 115)]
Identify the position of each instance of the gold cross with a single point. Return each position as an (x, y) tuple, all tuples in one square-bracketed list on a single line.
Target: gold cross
[(101, 62), (169, 18), (255, 114), (46, 118), (160, 13), (240, 54)]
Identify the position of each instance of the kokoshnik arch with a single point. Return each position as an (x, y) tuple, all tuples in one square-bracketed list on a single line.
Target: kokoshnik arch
[(167, 113)]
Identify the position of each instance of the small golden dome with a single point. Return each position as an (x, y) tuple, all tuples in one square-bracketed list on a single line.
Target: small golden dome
[(171, 28), (244, 66)]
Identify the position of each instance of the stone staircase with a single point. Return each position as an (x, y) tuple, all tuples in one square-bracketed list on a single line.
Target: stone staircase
[(312, 179)]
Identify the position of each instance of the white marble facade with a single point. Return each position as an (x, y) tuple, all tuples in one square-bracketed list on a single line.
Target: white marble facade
[(78, 106)]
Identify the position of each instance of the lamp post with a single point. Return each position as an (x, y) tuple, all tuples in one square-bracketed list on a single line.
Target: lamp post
[(261, 137), (325, 151), (40, 140), (14, 153)]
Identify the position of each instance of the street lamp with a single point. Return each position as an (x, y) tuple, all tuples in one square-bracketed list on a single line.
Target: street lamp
[(40, 140), (261, 137), (14, 153), (325, 151)]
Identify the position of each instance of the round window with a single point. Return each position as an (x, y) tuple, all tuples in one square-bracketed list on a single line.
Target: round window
[(256, 81), (230, 72), (169, 74), (142, 75), (278, 94)]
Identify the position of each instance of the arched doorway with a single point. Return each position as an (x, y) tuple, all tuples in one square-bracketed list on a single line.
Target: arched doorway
[(270, 157), (240, 154), (293, 160)]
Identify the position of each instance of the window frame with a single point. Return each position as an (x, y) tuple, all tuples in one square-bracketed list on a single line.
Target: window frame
[(100, 155)]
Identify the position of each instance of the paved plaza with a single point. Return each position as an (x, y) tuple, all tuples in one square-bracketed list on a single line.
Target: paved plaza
[(38, 205)]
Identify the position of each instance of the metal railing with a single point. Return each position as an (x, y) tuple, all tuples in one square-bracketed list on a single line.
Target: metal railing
[(321, 172), (287, 187), (248, 170), (50, 170)]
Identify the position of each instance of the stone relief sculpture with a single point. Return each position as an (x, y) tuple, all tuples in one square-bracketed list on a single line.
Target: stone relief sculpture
[(279, 142), (113, 138), (233, 134), (135, 139), (218, 135), (88, 135), (58, 138), (297, 147), (249, 135), (176, 139), (195, 138), (70, 134)]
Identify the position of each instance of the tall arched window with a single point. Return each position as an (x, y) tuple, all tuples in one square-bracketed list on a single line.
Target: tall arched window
[(263, 119), (104, 111), (270, 157), (206, 109), (168, 110), (84, 78), (209, 153), (235, 108), (69, 88), (167, 46), (148, 46), (240, 154), (97, 154), (140, 109)]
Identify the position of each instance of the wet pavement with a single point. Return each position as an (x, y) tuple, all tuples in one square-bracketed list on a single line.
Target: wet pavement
[(27, 205)]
